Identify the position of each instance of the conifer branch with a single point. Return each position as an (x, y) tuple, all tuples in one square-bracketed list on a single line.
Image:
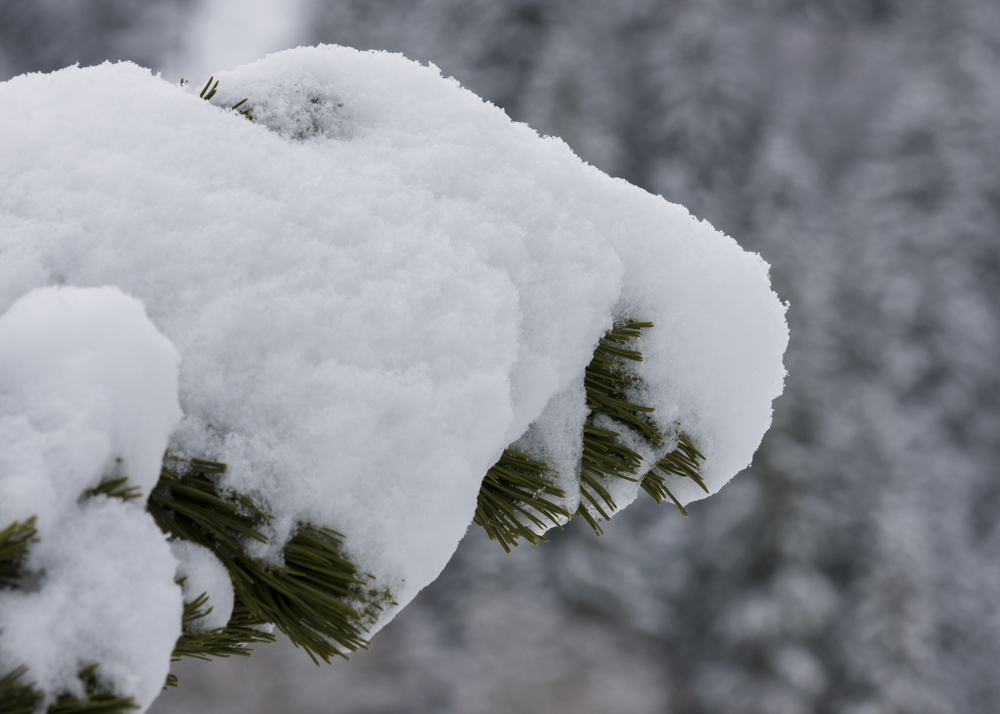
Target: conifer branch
[(591, 521), (114, 488), (317, 597), (99, 699), (311, 598), (514, 490), (608, 382), (16, 697), (207, 95), (682, 461), (230, 640), (187, 503), (15, 540)]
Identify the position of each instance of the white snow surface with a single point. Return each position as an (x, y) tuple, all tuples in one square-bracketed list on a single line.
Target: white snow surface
[(203, 573), (88, 390), (377, 285)]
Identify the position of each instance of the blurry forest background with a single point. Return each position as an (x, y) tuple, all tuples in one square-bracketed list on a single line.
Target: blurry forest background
[(855, 568)]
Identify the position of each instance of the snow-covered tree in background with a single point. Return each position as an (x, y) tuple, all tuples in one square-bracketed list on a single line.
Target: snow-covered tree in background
[(379, 289)]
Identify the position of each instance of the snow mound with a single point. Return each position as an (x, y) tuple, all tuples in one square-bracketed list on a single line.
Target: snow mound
[(201, 573), (88, 391), (377, 284)]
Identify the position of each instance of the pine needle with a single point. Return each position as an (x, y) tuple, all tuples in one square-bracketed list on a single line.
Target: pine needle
[(682, 461), (207, 95), (591, 521), (15, 540), (608, 381), (314, 598), (233, 639), (99, 699), (16, 697), (187, 503), (114, 488), (513, 491), (517, 480), (317, 598)]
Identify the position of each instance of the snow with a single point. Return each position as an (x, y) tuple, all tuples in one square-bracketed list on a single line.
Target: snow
[(375, 287), (203, 573), (88, 390)]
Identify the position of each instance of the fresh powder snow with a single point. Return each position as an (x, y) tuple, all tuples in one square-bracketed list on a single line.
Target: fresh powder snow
[(375, 286), (88, 390)]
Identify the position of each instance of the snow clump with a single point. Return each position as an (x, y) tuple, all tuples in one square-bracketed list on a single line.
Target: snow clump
[(376, 285), (88, 392)]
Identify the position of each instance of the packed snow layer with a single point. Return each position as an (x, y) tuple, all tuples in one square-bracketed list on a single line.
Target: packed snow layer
[(88, 391), (377, 285)]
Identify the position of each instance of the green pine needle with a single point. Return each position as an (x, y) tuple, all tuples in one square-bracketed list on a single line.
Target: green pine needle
[(233, 639), (314, 598), (608, 381), (187, 503), (16, 697), (515, 490), (15, 540), (99, 700), (682, 461), (317, 597), (656, 486), (207, 94), (114, 488), (591, 521)]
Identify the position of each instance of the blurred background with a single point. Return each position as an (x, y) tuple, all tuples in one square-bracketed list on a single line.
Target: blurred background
[(855, 568)]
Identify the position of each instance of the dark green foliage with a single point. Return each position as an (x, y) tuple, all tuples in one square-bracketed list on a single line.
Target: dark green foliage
[(514, 491), (242, 629), (207, 93), (591, 521), (604, 456), (187, 503), (15, 540), (114, 488), (99, 700), (317, 597), (682, 461), (608, 381), (520, 481), (16, 697), (209, 90)]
